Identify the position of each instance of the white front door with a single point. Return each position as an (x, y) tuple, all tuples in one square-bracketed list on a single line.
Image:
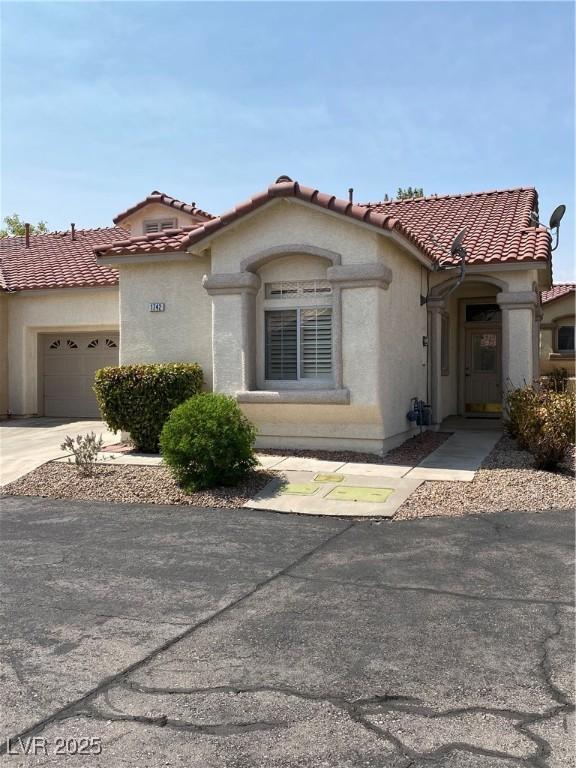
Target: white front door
[(482, 371)]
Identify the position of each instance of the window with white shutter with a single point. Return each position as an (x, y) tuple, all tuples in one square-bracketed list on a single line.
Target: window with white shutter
[(316, 343), (282, 345), (298, 344)]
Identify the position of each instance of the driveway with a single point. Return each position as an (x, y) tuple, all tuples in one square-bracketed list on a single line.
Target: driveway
[(198, 638), (27, 443)]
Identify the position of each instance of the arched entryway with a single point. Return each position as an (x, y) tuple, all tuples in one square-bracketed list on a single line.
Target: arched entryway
[(466, 348)]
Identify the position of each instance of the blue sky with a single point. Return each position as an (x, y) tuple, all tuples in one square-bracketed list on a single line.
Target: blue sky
[(210, 102)]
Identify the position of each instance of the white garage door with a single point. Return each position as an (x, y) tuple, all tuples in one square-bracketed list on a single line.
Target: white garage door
[(69, 363)]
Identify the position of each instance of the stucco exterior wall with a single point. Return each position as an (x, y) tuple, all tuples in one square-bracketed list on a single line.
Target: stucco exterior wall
[(562, 311), (383, 359), (34, 312), (3, 354), (182, 333), (285, 222), (135, 222), (402, 370)]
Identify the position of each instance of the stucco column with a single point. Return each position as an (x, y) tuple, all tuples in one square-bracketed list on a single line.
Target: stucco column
[(344, 277), (518, 334), (233, 330), (436, 307), (538, 315)]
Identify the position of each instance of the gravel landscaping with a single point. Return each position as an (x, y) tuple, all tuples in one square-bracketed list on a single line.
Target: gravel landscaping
[(411, 452), (506, 481), (129, 483)]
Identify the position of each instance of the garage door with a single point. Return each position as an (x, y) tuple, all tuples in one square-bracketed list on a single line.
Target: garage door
[(69, 363)]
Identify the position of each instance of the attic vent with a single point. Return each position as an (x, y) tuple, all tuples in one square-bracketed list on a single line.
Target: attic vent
[(159, 225), (286, 290)]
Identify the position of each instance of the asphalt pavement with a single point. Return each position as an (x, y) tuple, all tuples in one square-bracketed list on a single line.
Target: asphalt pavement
[(154, 636)]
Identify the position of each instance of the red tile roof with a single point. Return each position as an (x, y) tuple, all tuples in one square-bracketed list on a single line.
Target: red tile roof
[(498, 222), (54, 260), (557, 291), (162, 199)]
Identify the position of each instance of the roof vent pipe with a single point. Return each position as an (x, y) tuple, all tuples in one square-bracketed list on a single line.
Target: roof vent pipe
[(351, 194), (73, 231), (27, 234)]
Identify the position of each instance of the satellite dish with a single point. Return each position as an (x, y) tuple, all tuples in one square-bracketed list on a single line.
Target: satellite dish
[(457, 244), (556, 217)]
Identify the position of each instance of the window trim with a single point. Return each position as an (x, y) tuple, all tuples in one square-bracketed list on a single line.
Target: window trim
[(300, 381), (566, 321)]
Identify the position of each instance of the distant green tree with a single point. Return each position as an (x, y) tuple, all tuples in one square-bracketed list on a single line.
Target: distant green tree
[(14, 226), (404, 193)]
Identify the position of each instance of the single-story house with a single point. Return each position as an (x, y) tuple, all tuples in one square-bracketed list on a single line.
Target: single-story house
[(324, 317), (557, 329)]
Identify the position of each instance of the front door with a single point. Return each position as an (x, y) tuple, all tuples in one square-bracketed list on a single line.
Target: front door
[(482, 372)]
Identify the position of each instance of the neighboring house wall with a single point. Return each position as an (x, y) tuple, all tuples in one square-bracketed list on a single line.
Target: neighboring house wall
[(556, 313), (182, 333), (3, 354), (33, 312), (135, 222)]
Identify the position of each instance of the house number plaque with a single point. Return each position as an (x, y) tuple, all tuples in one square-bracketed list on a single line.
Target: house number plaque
[(157, 306)]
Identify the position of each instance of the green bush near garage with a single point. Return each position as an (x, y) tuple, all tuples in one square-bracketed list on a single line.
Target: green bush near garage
[(139, 398), (207, 441)]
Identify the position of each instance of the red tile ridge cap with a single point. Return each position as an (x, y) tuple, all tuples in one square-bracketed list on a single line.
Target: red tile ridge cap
[(447, 196), (163, 199)]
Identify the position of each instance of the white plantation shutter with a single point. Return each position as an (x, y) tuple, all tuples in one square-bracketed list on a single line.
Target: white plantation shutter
[(282, 344), (315, 343)]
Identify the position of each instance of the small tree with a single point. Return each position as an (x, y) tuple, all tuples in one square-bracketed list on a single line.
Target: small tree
[(405, 193), (15, 227)]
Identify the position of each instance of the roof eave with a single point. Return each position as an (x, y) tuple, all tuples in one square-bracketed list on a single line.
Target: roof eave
[(205, 242)]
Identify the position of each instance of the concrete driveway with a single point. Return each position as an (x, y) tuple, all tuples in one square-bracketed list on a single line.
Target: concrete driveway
[(27, 443), (198, 638)]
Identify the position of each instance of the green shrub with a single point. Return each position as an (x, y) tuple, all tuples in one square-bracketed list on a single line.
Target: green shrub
[(138, 398), (207, 441), (544, 422)]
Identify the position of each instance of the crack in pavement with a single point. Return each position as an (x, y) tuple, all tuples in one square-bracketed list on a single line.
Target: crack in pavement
[(65, 711), (63, 609), (162, 721), (430, 590), (359, 709)]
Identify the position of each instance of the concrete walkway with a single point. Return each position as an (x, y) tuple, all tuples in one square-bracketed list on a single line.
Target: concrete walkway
[(27, 443), (459, 457), (313, 487), (309, 486)]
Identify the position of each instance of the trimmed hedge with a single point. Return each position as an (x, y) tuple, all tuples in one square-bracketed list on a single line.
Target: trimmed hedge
[(207, 441), (138, 398)]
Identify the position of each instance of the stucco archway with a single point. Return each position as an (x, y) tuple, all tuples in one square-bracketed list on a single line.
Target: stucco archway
[(464, 321), (257, 260)]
